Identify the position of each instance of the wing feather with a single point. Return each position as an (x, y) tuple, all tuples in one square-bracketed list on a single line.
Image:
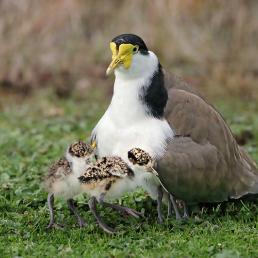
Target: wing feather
[(208, 165)]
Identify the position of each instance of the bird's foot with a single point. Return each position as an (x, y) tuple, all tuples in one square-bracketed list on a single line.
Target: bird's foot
[(82, 223), (53, 225), (105, 227), (102, 225), (160, 219), (185, 216), (132, 212), (178, 217), (123, 209)]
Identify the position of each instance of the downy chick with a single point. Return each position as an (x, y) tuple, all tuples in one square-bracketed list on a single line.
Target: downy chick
[(147, 177), (108, 179), (62, 178)]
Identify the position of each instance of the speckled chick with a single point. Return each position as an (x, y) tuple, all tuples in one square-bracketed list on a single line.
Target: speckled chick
[(110, 175), (62, 177), (108, 179)]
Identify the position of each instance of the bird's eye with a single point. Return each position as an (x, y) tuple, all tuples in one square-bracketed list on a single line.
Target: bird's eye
[(135, 49)]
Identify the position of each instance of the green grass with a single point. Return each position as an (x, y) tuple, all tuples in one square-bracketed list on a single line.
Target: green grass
[(31, 136)]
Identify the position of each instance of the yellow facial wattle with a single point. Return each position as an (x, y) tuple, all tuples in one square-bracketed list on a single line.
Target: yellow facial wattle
[(121, 56)]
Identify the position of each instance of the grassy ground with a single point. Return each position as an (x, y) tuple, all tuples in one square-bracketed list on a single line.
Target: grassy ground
[(37, 131)]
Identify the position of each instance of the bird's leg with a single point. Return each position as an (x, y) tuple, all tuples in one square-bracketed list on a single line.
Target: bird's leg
[(119, 208), (50, 203), (172, 201), (92, 205), (72, 207), (186, 215), (159, 204), (169, 207)]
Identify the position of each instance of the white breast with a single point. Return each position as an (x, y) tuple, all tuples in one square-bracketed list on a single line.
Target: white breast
[(118, 137), (125, 124)]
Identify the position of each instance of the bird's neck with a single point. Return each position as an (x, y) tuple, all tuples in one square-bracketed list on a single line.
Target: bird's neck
[(140, 96)]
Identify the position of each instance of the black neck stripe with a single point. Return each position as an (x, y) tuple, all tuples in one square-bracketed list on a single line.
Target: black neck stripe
[(155, 96)]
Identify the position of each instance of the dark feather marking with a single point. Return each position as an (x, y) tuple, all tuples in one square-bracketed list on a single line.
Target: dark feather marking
[(132, 39), (155, 96), (93, 174), (139, 156), (108, 186), (80, 149)]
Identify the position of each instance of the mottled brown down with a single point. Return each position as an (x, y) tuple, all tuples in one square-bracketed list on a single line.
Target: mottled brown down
[(139, 156), (105, 168), (207, 166), (80, 149), (57, 171)]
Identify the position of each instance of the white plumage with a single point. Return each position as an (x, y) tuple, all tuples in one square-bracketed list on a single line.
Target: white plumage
[(127, 124)]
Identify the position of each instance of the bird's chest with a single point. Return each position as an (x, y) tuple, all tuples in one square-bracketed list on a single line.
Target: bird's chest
[(126, 124), (117, 135)]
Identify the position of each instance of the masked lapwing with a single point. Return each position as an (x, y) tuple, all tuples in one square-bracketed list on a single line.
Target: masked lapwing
[(149, 108)]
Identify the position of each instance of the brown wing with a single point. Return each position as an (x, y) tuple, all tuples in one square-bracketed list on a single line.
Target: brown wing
[(174, 82), (189, 171), (93, 174), (210, 157), (114, 165)]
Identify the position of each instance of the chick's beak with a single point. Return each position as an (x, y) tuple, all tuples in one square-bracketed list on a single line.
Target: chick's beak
[(123, 55)]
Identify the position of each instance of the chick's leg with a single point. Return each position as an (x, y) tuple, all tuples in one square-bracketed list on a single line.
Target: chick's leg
[(159, 204), (119, 208), (92, 205), (72, 207), (186, 215), (50, 203), (172, 201)]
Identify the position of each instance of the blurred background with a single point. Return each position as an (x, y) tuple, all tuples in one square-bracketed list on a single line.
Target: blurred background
[(64, 44), (53, 90)]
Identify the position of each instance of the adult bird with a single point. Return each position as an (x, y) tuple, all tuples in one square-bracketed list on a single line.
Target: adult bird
[(135, 116), (145, 98)]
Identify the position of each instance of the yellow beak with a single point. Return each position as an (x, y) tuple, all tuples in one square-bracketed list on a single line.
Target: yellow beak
[(94, 144), (122, 56)]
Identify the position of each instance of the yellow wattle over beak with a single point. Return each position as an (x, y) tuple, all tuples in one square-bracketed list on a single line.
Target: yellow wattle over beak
[(121, 56)]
